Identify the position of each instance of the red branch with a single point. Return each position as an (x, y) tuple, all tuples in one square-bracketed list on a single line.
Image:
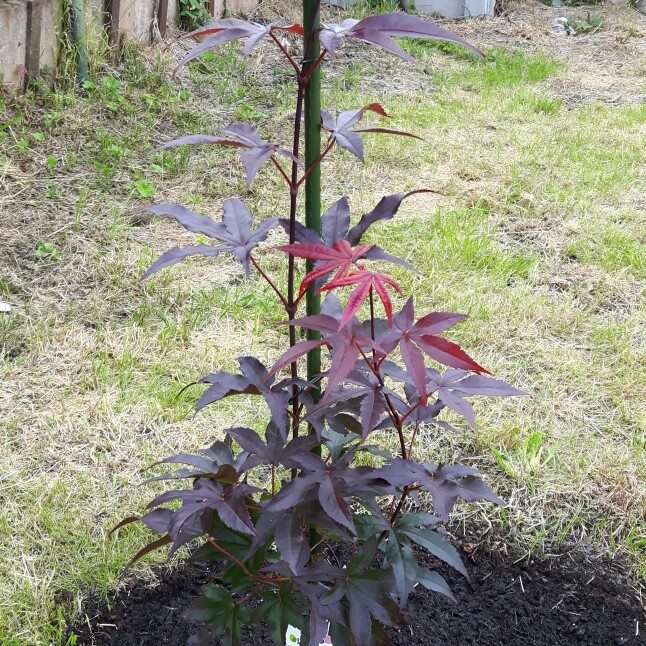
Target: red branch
[(317, 62), (283, 300), (289, 57), (284, 174), (315, 164)]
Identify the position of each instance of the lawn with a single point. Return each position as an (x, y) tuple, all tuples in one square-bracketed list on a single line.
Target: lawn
[(537, 231)]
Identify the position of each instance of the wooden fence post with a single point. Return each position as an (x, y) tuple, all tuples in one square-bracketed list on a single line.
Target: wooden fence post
[(162, 17), (32, 40)]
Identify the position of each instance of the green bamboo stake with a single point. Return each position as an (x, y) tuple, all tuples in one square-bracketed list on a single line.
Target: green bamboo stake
[(312, 131), (78, 38)]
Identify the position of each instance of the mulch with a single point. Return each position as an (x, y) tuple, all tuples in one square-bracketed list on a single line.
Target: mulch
[(566, 599)]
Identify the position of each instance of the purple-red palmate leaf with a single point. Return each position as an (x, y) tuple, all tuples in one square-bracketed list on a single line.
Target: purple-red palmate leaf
[(228, 501), (335, 231), (365, 402), (254, 380), (333, 485), (177, 254), (156, 520), (366, 281), (235, 232), (220, 32), (238, 135), (273, 451), (289, 539), (445, 483), (313, 581), (454, 386), (340, 258), (344, 343), (368, 592), (413, 338), (385, 210), (350, 140), (378, 30)]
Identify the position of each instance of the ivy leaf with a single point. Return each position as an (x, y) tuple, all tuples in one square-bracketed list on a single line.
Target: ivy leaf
[(377, 30), (238, 135)]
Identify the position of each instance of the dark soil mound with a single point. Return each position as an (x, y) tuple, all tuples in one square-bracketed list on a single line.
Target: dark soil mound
[(561, 601)]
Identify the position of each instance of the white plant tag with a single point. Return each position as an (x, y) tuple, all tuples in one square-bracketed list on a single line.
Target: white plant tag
[(293, 637)]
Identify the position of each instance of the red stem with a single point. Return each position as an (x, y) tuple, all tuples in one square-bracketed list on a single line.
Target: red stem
[(400, 504), (293, 204), (289, 57), (410, 411), (412, 441), (316, 163), (283, 300), (284, 174), (316, 63), (392, 411), (233, 558)]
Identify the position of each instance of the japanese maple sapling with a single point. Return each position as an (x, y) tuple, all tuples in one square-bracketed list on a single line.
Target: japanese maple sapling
[(320, 539)]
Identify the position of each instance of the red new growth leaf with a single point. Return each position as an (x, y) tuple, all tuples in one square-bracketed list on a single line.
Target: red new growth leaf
[(340, 258), (365, 281)]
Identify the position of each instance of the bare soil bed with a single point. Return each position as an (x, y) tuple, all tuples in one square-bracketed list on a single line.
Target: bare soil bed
[(558, 600)]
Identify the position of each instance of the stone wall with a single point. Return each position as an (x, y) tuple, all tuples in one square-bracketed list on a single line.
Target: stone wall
[(30, 29)]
